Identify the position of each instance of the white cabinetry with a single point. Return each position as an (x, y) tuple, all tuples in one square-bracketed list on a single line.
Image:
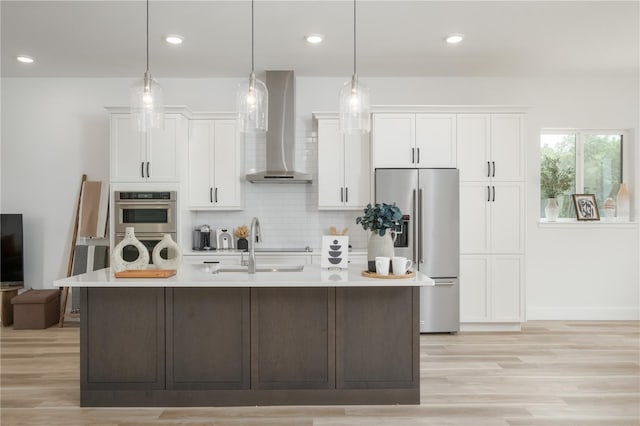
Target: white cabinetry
[(492, 206), (214, 165), (153, 156), (407, 140), (344, 168)]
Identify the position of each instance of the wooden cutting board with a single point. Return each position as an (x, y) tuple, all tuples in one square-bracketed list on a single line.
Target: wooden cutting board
[(146, 273), (409, 274)]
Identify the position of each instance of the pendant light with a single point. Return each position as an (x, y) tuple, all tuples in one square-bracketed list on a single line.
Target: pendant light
[(355, 104), (147, 109), (252, 99)]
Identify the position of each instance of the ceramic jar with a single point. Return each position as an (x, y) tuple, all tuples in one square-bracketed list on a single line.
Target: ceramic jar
[(173, 262), (551, 210), (378, 246), (117, 261)]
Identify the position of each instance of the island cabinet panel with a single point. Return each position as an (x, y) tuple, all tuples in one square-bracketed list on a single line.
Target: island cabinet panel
[(292, 338), (208, 338), (377, 338), (122, 333)]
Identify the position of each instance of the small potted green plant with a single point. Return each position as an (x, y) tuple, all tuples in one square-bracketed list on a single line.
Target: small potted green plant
[(554, 181), (378, 219)]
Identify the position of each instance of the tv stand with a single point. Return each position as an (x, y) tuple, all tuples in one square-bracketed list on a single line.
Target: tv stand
[(7, 293)]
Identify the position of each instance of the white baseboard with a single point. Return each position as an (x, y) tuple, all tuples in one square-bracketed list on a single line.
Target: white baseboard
[(583, 313), (490, 326)]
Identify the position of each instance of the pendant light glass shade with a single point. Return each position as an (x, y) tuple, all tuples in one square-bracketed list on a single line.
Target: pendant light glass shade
[(252, 99), (147, 107), (355, 107), (355, 101)]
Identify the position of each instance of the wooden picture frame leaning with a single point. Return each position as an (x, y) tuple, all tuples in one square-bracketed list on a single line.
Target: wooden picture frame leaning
[(586, 207)]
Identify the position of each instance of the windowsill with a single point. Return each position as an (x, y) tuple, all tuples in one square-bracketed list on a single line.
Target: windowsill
[(573, 223)]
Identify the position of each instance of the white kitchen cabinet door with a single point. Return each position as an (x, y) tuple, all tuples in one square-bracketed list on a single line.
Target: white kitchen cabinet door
[(506, 288), (357, 171), (214, 165), (435, 140), (507, 217), (473, 146), (474, 288), (128, 150), (344, 168), (507, 147), (474, 218), (394, 140), (330, 165), (201, 133), (146, 157), (226, 170)]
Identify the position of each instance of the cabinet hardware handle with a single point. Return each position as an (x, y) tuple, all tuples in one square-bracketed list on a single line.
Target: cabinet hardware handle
[(415, 228), (420, 251), (494, 169), (341, 194), (210, 195), (413, 155), (216, 197), (418, 155), (148, 169), (346, 195), (488, 193), (494, 193), (488, 169), (142, 169)]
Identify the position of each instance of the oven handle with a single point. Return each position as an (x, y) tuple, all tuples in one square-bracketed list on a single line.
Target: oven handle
[(153, 204)]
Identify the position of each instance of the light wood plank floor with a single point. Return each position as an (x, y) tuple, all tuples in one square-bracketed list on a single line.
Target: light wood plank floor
[(553, 373)]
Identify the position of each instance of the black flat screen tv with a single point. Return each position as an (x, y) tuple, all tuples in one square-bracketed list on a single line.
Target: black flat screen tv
[(11, 250)]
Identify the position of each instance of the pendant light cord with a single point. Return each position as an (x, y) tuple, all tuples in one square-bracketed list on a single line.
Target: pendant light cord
[(252, 36), (147, 35), (354, 37)]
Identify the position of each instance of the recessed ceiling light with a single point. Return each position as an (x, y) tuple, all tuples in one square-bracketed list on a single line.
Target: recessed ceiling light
[(454, 38), (25, 59), (174, 39), (314, 38)]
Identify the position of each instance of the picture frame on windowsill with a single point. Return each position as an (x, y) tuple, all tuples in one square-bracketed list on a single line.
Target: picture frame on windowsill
[(586, 207)]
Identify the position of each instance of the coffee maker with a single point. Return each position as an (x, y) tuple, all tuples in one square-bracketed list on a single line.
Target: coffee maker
[(202, 238)]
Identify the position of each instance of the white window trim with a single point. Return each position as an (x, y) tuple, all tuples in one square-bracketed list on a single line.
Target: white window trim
[(627, 172)]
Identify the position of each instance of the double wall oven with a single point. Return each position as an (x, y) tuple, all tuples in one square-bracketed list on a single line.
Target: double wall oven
[(151, 213)]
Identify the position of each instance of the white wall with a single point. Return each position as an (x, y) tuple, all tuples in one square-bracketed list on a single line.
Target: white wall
[(56, 129)]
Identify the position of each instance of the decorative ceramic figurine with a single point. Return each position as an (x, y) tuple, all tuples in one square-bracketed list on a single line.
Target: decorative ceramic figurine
[(117, 261), (172, 248)]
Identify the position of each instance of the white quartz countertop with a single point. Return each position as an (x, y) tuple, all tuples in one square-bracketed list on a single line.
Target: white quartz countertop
[(189, 275)]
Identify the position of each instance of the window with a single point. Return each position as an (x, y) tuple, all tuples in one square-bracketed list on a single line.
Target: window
[(592, 159)]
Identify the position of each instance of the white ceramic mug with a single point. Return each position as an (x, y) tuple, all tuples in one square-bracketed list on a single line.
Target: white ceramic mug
[(400, 265), (382, 265)]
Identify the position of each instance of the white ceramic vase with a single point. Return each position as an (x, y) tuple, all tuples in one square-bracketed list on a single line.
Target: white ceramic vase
[(117, 261), (378, 246), (551, 210), (173, 262)]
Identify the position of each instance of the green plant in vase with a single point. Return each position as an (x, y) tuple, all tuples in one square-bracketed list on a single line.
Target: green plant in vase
[(378, 219), (554, 181)]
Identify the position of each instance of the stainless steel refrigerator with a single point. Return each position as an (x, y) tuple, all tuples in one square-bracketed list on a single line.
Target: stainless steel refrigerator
[(429, 236)]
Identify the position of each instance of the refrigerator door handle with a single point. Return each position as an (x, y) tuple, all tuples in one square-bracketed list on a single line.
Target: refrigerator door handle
[(420, 251), (439, 283), (415, 228)]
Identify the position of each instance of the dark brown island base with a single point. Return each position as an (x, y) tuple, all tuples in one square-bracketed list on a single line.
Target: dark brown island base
[(233, 344)]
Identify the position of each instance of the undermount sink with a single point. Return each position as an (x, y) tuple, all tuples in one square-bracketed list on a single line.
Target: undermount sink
[(260, 268)]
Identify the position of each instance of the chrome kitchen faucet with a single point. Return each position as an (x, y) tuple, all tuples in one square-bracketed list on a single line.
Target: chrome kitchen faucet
[(254, 237)]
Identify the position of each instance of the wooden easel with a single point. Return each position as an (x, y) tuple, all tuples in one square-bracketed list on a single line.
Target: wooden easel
[(72, 252)]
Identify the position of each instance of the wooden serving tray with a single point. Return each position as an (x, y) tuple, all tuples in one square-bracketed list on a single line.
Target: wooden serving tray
[(146, 273), (409, 274)]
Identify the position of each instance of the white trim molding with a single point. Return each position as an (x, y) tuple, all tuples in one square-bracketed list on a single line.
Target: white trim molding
[(631, 313)]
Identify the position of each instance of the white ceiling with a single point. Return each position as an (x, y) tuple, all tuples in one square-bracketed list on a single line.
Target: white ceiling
[(395, 38)]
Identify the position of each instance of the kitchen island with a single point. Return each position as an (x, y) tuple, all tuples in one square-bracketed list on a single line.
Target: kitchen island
[(209, 338)]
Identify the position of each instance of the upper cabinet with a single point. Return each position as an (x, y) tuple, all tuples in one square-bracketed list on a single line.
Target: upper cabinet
[(344, 168), (408, 140), (490, 146), (214, 165), (146, 157)]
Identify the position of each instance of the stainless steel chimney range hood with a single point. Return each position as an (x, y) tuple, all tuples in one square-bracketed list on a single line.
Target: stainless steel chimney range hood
[(281, 133)]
